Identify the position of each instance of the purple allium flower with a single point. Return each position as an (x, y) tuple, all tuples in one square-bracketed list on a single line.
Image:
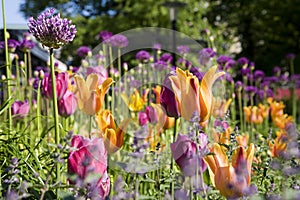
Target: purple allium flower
[(166, 57), (83, 51), (20, 109), (184, 63), (183, 49), (51, 30), (105, 35), (160, 65), (167, 98), (143, 56), (276, 71), (270, 79), (157, 47), (223, 59), (251, 89), (184, 152), (67, 104), (265, 93), (258, 74), (245, 71), (205, 55), (26, 45), (119, 41), (238, 85), (243, 61), (197, 73), (11, 45), (290, 56)]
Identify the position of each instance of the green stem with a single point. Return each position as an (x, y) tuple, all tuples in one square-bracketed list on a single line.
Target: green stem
[(8, 65), (241, 113), (55, 110), (172, 160), (38, 110)]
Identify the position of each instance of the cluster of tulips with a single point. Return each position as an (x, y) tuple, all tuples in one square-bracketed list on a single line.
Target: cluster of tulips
[(219, 131)]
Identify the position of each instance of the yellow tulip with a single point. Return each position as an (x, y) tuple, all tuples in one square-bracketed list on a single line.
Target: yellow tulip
[(193, 96), (222, 138), (90, 96), (231, 179), (135, 103), (279, 118), (278, 146), (112, 134)]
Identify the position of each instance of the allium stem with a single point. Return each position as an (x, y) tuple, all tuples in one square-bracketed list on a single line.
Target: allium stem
[(55, 109), (8, 65)]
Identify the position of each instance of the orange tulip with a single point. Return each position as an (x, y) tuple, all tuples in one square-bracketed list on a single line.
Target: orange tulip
[(279, 119), (242, 140), (113, 135), (222, 138), (278, 146), (220, 107), (193, 96), (90, 96), (231, 179), (156, 92)]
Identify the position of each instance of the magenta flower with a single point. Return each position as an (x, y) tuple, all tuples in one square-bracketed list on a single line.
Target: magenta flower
[(20, 109), (67, 104), (51, 30), (151, 114), (183, 49), (83, 51), (62, 83), (243, 61), (90, 160), (26, 45), (160, 65), (143, 118), (119, 41), (167, 98), (166, 57), (184, 152), (104, 36)]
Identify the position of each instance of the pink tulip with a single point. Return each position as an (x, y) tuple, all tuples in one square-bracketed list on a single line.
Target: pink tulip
[(20, 109), (90, 159), (67, 104), (143, 118), (62, 83)]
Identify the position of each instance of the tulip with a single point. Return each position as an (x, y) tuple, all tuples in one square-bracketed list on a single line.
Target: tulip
[(100, 71), (242, 140), (113, 135), (231, 179), (143, 118), (185, 154), (220, 107), (279, 118), (90, 158), (135, 103), (62, 84), (151, 114), (167, 99), (193, 96), (90, 96), (223, 137), (278, 146), (67, 105), (20, 109)]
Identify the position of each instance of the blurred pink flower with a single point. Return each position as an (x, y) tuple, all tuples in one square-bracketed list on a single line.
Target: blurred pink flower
[(67, 104), (20, 109)]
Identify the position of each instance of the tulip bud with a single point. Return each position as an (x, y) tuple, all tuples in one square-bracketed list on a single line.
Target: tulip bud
[(67, 104)]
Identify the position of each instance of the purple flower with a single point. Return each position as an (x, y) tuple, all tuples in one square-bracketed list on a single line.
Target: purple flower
[(197, 73), (90, 160), (20, 109), (270, 79), (51, 30), (11, 45), (167, 98), (265, 93), (223, 59), (276, 71), (105, 35), (100, 71), (290, 56), (245, 71), (258, 74), (243, 61), (166, 57), (205, 55), (26, 45), (183, 49), (83, 51), (251, 89), (160, 65), (62, 83), (184, 63), (157, 47), (184, 152), (67, 104), (119, 41), (143, 56), (238, 85)]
